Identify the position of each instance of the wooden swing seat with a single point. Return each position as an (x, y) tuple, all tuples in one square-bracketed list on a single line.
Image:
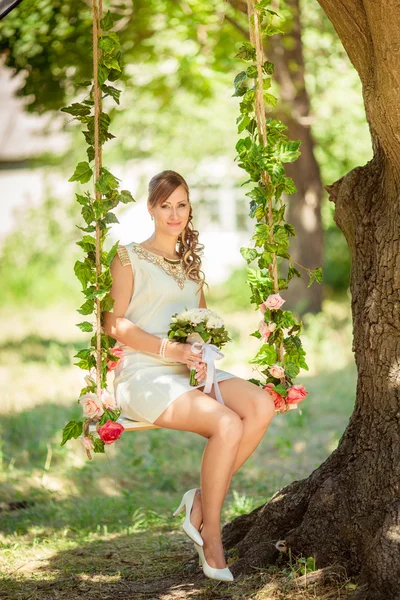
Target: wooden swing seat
[(130, 425)]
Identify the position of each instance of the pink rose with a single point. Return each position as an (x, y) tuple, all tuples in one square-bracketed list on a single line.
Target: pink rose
[(87, 443), (277, 371), (110, 431), (296, 394), (116, 351), (92, 408), (266, 329), (273, 302), (107, 399), (279, 400)]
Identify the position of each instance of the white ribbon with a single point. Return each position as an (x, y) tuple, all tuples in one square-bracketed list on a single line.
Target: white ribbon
[(209, 353)]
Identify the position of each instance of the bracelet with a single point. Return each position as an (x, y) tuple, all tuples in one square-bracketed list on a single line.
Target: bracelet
[(163, 347)]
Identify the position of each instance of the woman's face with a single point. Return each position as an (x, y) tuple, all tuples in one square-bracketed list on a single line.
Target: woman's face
[(171, 215)]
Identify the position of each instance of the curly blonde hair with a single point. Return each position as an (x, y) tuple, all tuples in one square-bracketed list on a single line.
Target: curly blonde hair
[(188, 248)]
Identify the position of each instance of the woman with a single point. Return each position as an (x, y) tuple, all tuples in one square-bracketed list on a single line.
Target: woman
[(152, 380)]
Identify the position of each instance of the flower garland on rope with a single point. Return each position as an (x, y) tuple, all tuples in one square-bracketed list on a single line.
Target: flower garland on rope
[(98, 405), (262, 154)]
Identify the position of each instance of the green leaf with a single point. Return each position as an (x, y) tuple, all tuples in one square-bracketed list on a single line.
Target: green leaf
[(289, 186), (85, 326), (87, 307), (252, 72), (84, 200), (108, 43), (270, 99), (110, 218), (315, 275), (98, 446), (288, 151), (249, 254), (246, 52), (242, 121), (103, 74), (291, 369), (268, 67), (107, 182), (83, 273), (125, 196), (107, 21), (292, 271), (290, 229), (266, 355), (88, 214), (111, 62), (268, 31), (111, 253), (276, 171), (281, 389), (90, 153), (109, 90), (83, 173), (76, 110), (107, 303), (114, 74), (73, 429)]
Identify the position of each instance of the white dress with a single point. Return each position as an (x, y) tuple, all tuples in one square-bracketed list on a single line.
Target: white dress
[(145, 383)]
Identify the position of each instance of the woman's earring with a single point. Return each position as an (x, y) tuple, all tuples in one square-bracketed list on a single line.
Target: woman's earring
[(152, 218)]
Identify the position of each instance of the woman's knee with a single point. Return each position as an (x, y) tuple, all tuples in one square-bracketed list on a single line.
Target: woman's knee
[(229, 426), (261, 407)]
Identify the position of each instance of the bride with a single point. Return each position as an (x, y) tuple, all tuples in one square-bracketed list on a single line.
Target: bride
[(152, 280)]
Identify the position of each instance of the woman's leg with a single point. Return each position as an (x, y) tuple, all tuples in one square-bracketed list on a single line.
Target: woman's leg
[(256, 408), (197, 412)]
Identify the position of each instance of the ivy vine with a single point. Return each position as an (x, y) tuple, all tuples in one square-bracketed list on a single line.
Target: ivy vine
[(262, 153)]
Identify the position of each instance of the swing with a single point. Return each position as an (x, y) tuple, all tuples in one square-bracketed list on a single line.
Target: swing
[(255, 38), (260, 120)]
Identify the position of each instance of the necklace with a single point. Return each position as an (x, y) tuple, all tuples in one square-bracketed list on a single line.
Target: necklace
[(171, 267), (169, 260)]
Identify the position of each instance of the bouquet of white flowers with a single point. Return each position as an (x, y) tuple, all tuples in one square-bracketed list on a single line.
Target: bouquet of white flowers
[(205, 330)]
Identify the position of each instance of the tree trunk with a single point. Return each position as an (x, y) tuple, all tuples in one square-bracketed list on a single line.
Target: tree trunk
[(303, 207), (347, 512)]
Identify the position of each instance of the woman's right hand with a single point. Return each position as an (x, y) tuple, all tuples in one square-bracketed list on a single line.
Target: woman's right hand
[(182, 352)]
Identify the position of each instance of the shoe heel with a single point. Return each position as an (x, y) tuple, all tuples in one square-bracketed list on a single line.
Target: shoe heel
[(180, 508)]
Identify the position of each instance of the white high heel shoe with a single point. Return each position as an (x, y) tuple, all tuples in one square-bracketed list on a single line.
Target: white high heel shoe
[(221, 574), (188, 528)]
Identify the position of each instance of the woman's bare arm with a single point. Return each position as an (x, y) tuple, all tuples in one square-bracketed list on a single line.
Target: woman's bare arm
[(122, 329)]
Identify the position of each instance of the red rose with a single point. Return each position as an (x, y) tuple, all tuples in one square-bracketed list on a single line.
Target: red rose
[(110, 431), (296, 394)]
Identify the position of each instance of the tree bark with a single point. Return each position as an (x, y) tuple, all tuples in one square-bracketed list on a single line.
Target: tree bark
[(347, 512)]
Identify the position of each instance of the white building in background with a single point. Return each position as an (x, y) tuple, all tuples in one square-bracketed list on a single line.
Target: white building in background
[(220, 206)]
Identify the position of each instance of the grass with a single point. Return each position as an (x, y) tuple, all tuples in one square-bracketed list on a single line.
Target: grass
[(104, 528)]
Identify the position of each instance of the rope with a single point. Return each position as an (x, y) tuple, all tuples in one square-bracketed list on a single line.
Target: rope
[(256, 40), (97, 12)]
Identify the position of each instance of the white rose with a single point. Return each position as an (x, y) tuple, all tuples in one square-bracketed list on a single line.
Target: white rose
[(214, 322), (277, 371), (184, 316)]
